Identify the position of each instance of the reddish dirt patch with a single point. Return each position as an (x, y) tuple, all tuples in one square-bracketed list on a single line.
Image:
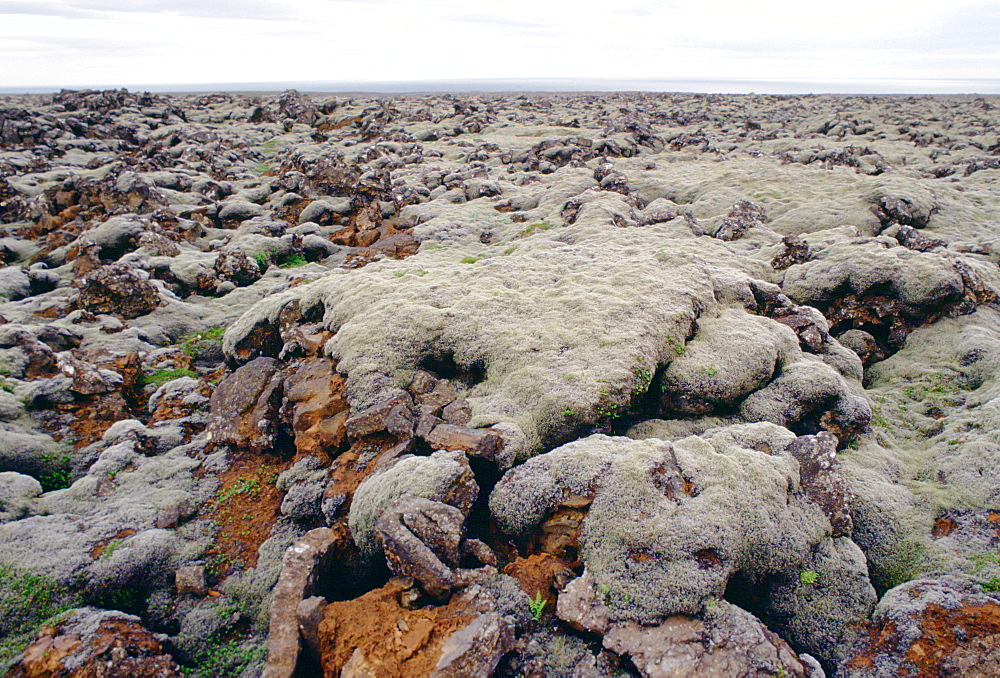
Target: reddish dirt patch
[(943, 526), (245, 508), (541, 573), (102, 546), (356, 464), (945, 630), (379, 637)]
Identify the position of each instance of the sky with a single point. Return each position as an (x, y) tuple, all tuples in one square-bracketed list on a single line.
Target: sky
[(114, 43)]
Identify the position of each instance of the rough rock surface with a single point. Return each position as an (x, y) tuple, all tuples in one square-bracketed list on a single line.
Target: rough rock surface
[(727, 642), (92, 642), (943, 626)]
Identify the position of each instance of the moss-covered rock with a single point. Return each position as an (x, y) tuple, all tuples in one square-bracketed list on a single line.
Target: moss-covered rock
[(671, 525)]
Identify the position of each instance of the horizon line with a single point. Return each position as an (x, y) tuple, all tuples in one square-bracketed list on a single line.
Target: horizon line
[(901, 86)]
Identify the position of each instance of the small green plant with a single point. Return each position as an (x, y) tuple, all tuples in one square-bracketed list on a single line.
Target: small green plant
[(528, 230), (472, 260), (537, 605), (263, 167), (217, 562), (982, 560), (111, 547), (880, 421), (241, 486), (56, 480), (643, 378), (295, 261), (991, 585), (609, 411), (709, 370), (568, 413), (399, 274), (678, 346), (510, 250), (809, 576), (163, 376), (262, 259), (129, 599)]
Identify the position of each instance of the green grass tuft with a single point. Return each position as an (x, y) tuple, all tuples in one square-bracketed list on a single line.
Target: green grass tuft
[(163, 376)]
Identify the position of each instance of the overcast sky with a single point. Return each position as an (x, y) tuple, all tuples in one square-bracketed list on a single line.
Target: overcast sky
[(75, 43)]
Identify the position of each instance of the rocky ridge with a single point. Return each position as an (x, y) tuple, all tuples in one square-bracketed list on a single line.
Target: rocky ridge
[(515, 385)]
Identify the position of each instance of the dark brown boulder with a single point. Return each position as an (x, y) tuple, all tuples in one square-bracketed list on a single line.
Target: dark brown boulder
[(421, 539), (244, 410), (822, 480), (118, 290), (237, 268), (796, 252), (741, 218)]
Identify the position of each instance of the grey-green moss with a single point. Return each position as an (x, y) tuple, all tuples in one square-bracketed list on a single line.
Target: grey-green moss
[(671, 523)]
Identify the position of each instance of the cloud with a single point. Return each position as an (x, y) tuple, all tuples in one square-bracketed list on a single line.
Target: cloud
[(489, 20), (32, 8), (65, 41), (244, 9)]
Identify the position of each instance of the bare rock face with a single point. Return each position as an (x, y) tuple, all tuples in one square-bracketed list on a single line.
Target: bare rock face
[(300, 569), (319, 410), (822, 481), (119, 290), (377, 417), (581, 605), (796, 252), (238, 268), (475, 650), (96, 643), (727, 642), (444, 477), (913, 239), (88, 379), (421, 539), (244, 406)]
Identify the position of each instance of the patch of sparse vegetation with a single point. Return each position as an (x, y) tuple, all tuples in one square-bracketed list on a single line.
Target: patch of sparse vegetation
[(196, 343), (528, 230), (163, 376), (27, 602), (56, 479), (225, 659)]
